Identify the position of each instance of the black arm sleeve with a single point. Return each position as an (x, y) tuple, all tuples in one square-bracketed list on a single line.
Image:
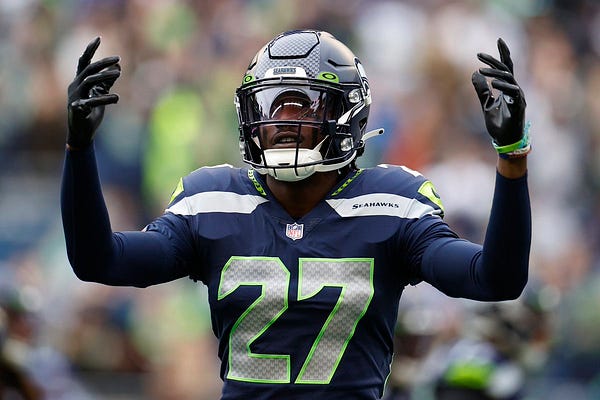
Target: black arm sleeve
[(497, 270), (94, 251)]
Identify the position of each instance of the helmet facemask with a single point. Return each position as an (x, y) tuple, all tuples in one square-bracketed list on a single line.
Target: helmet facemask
[(286, 108), (307, 93)]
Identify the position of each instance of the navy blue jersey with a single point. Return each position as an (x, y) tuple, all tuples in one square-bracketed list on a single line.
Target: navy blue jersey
[(303, 308), (308, 304)]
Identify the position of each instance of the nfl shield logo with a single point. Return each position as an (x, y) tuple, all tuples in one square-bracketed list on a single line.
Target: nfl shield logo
[(294, 231)]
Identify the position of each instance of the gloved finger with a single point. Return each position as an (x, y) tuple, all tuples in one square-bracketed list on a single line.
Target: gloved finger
[(507, 88), (505, 54), (88, 54), (103, 100), (105, 78), (86, 105), (98, 66), (496, 73), (482, 88), (492, 62), (109, 82)]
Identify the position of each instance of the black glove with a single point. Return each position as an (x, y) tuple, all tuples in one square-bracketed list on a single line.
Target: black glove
[(505, 114), (88, 94)]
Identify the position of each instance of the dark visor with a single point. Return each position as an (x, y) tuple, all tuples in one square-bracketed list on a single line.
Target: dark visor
[(297, 103)]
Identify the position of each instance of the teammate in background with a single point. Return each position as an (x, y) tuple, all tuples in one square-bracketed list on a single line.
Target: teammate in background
[(305, 256)]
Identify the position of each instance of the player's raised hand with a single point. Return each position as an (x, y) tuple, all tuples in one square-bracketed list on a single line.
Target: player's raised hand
[(505, 113), (88, 94)]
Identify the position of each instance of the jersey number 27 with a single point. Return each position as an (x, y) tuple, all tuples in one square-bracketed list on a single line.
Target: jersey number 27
[(353, 276)]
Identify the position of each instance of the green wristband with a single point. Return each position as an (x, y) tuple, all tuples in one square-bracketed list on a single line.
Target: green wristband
[(520, 147)]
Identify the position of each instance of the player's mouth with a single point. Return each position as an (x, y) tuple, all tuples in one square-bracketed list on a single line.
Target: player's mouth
[(287, 139)]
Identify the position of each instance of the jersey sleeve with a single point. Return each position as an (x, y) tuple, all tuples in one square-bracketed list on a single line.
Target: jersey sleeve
[(496, 270), (98, 254)]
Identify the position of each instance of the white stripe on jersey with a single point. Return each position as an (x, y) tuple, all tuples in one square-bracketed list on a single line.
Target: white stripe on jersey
[(209, 202), (382, 204)]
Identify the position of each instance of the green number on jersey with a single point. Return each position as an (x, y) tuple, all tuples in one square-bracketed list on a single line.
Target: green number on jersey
[(353, 276)]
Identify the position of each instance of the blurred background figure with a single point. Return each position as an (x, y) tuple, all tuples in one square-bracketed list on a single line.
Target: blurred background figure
[(115, 343), (500, 347), (30, 368), (426, 321), (15, 383)]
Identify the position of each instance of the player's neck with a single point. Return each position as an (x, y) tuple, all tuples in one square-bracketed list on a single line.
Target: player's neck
[(300, 197)]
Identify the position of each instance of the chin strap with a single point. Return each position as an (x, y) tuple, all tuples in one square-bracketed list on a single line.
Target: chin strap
[(286, 159)]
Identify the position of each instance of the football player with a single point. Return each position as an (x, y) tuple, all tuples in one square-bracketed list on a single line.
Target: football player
[(305, 256)]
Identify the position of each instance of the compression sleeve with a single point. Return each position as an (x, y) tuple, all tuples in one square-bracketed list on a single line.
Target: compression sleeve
[(497, 270), (94, 251)]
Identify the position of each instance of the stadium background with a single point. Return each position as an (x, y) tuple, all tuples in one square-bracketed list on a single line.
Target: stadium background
[(181, 64)]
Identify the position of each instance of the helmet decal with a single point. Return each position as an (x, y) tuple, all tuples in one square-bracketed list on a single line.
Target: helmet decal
[(328, 76), (285, 71), (247, 79)]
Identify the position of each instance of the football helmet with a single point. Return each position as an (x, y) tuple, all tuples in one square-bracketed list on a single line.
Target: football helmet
[(303, 78)]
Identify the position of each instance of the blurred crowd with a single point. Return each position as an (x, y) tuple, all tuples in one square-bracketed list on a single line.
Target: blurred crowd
[(182, 60)]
